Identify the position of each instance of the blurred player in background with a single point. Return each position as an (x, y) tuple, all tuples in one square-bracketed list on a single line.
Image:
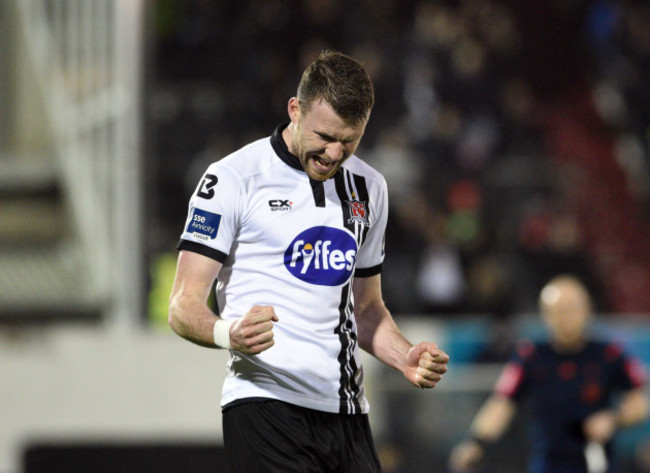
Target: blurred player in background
[(572, 381), (293, 227)]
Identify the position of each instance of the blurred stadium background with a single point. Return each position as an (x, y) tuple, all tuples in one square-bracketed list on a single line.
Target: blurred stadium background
[(514, 137)]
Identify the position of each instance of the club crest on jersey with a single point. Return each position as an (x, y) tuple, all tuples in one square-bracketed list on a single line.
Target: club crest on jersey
[(324, 256), (358, 212)]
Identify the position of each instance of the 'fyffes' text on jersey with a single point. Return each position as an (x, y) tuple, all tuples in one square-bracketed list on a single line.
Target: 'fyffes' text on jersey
[(322, 255)]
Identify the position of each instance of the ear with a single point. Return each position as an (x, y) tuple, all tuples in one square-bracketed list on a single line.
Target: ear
[(294, 109)]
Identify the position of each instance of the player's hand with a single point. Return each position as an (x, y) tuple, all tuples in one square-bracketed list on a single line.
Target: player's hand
[(600, 426), (425, 365), (252, 333), (465, 456)]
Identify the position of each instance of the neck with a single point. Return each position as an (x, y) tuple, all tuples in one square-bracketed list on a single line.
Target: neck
[(286, 135), (573, 346)]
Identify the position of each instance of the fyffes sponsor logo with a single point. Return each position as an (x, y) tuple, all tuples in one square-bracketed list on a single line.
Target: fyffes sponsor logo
[(323, 256)]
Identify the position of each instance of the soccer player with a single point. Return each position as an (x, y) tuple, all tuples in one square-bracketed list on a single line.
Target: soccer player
[(572, 381), (292, 228)]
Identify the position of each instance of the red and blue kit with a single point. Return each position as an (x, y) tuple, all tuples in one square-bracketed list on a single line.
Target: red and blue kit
[(564, 389)]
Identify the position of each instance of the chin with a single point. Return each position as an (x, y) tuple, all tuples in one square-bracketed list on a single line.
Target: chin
[(316, 176), (319, 178)]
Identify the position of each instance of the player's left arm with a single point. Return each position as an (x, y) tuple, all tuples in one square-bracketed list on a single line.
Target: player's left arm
[(423, 364), (633, 409)]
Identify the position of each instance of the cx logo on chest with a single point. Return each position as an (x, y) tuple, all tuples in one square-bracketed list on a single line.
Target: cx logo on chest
[(280, 205)]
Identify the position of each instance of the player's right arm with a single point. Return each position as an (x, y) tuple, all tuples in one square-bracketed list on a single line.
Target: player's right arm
[(488, 426), (189, 314), (191, 318), (495, 416)]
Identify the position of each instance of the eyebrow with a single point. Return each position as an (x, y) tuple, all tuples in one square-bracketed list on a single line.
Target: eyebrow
[(327, 137)]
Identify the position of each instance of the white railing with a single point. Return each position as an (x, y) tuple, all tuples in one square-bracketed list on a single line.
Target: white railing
[(85, 58)]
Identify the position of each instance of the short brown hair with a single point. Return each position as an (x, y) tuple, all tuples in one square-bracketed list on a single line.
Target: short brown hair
[(340, 81)]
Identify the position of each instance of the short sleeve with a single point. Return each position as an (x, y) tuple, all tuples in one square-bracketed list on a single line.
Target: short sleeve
[(213, 213), (512, 381), (628, 371), (371, 254)]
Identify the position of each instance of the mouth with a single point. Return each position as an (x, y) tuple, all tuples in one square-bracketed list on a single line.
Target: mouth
[(322, 163)]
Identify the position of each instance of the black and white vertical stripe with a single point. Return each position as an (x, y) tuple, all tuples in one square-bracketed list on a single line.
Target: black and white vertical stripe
[(348, 386), (350, 187)]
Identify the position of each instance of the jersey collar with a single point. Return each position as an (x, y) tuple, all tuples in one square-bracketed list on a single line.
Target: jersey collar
[(280, 148)]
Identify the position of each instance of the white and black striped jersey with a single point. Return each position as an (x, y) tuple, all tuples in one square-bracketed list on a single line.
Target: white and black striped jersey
[(295, 244)]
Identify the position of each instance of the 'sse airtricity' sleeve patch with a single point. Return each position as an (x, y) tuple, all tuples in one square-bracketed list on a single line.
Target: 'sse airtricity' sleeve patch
[(204, 225)]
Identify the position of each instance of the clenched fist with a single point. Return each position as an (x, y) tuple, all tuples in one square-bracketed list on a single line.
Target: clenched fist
[(252, 333), (426, 364)]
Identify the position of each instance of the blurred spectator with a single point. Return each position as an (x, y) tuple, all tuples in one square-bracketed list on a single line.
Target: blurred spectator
[(441, 279)]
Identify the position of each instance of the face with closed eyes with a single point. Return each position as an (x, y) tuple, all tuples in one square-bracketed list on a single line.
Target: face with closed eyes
[(320, 138)]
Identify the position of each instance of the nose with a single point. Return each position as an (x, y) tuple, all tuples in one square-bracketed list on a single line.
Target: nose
[(335, 151)]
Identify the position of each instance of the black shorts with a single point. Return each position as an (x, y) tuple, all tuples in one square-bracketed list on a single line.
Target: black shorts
[(271, 436)]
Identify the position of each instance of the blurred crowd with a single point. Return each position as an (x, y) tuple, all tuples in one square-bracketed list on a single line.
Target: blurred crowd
[(513, 135)]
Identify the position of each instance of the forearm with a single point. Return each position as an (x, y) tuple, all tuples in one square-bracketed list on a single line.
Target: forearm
[(193, 320), (379, 335), (422, 365), (493, 419), (633, 409), (189, 315), (488, 426), (602, 425)]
